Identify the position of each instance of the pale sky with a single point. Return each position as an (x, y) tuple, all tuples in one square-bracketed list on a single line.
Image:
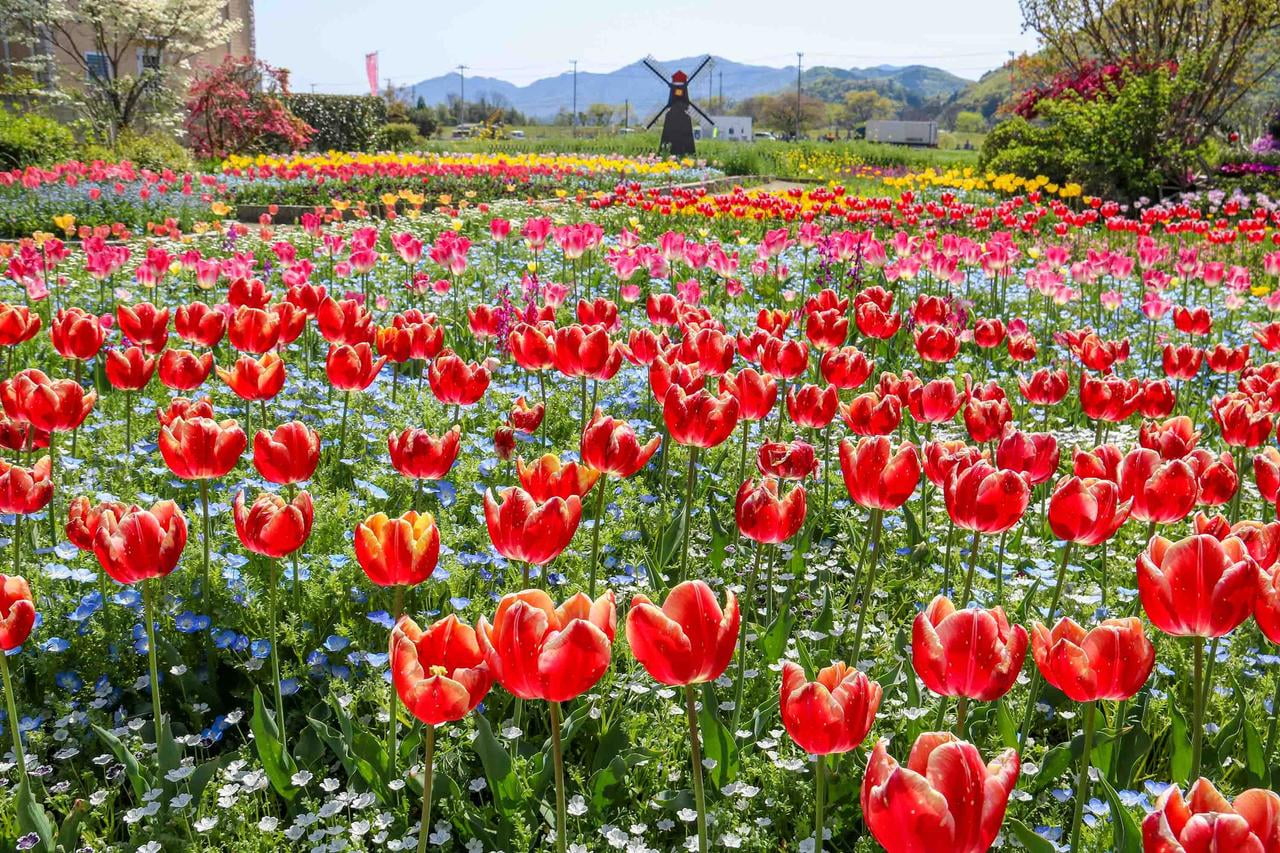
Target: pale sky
[(323, 42)]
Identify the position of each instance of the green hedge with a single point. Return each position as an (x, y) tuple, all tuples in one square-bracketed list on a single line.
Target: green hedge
[(29, 139), (342, 122)]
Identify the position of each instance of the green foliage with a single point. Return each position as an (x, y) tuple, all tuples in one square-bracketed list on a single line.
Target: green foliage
[(968, 121), (424, 120), (399, 136), (342, 122), (30, 139), (1122, 145), (147, 151)]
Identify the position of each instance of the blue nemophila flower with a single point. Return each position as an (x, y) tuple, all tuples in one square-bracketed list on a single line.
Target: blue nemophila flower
[(54, 645), (191, 623), (69, 681), (336, 643), (260, 649), (289, 686), (381, 618), (317, 659), (89, 605), (459, 603), (337, 561)]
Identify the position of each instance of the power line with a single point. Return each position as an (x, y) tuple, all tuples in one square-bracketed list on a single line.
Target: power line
[(462, 94)]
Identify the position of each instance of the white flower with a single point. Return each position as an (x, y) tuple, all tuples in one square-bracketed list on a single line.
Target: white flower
[(205, 824), (577, 805), (687, 815), (180, 802), (301, 778), (268, 824)]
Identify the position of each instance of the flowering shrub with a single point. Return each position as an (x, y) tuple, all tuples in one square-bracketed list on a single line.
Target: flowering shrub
[(237, 107), (1093, 81)]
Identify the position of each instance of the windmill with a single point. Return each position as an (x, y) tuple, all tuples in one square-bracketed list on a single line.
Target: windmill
[(677, 129)]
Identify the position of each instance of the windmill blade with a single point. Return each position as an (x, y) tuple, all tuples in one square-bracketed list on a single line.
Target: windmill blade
[(698, 70), (701, 113), (650, 66), (654, 120)]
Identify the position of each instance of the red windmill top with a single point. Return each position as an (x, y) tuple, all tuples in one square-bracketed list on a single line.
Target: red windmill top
[(679, 77)]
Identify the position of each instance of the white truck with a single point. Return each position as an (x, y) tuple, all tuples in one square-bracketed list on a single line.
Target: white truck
[(916, 133)]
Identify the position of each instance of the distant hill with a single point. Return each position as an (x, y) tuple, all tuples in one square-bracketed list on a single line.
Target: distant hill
[(913, 85)]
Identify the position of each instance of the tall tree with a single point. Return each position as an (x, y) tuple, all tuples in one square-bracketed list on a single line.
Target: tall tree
[(129, 56)]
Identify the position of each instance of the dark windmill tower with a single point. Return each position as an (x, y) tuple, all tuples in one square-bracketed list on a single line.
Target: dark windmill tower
[(677, 129)]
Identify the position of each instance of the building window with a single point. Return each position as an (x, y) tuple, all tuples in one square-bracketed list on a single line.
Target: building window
[(97, 65), (148, 60)]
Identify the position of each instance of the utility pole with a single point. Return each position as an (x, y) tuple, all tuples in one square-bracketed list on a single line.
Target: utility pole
[(626, 113), (711, 80), (799, 68), (721, 74), (573, 118), (462, 93)]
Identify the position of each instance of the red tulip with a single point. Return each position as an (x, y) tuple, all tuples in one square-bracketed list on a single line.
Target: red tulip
[(197, 323), (526, 418), (76, 334), (1262, 541), (83, 519), (25, 490), (1242, 422), (1103, 462), (876, 322), (973, 653), (1192, 321), (142, 543), (18, 612), (941, 458), (1109, 398), (455, 382), (934, 402), (610, 446), (253, 330), (984, 499), (1162, 492), (1181, 361), (530, 531), (699, 419), (484, 322), (129, 369), (711, 350), (272, 527), (598, 312), (766, 517), (20, 435), (582, 351), (1172, 439), (1198, 586), (287, 455), (549, 478), (1206, 823), (440, 674), (201, 448), (1034, 454), (827, 330), (689, 639), (18, 324), (248, 292), (183, 370), (755, 392), (530, 347), (144, 325), (845, 367), (182, 407), (877, 475), (416, 453), (936, 343), (1111, 661), (1266, 473), (344, 322), (398, 551), (831, 714), (793, 460), (945, 799), (352, 367), (1045, 387), (1086, 511), (1022, 347), (292, 320), (1216, 476), (46, 404), (988, 333), (986, 419), (784, 359), (812, 406), (255, 379), (872, 414), (539, 651)]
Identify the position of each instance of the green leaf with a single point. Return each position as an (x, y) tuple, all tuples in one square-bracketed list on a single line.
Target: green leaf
[(276, 763), (497, 769), (1126, 836), (717, 741), (372, 761), (1028, 838), (333, 739), (773, 641), (139, 779), (68, 838), (1255, 761), (1180, 744), (32, 817), (607, 788), (1005, 723)]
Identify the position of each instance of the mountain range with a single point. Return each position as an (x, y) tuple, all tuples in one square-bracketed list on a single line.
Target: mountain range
[(914, 85)]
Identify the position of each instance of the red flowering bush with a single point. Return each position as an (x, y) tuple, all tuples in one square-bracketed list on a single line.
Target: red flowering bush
[(238, 108), (1092, 81)]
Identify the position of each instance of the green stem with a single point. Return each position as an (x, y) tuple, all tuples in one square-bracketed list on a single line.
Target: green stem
[(595, 533), (688, 507), (748, 609), (973, 564), (869, 585), (1121, 710), (1058, 583), (273, 582), (819, 815), (1275, 721), (148, 612), (695, 752), (12, 708), (393, 700), (962, 715), (205, 589), (557, 754), (342, 434), (1082, 782), (54, 515), (1197, 687), (428, 779)]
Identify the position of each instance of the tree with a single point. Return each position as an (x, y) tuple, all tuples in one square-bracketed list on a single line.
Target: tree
[(863, 105), (600, 115), (128, 53), (1225, 46), (968, 121), (780, 111), (238, 108)]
